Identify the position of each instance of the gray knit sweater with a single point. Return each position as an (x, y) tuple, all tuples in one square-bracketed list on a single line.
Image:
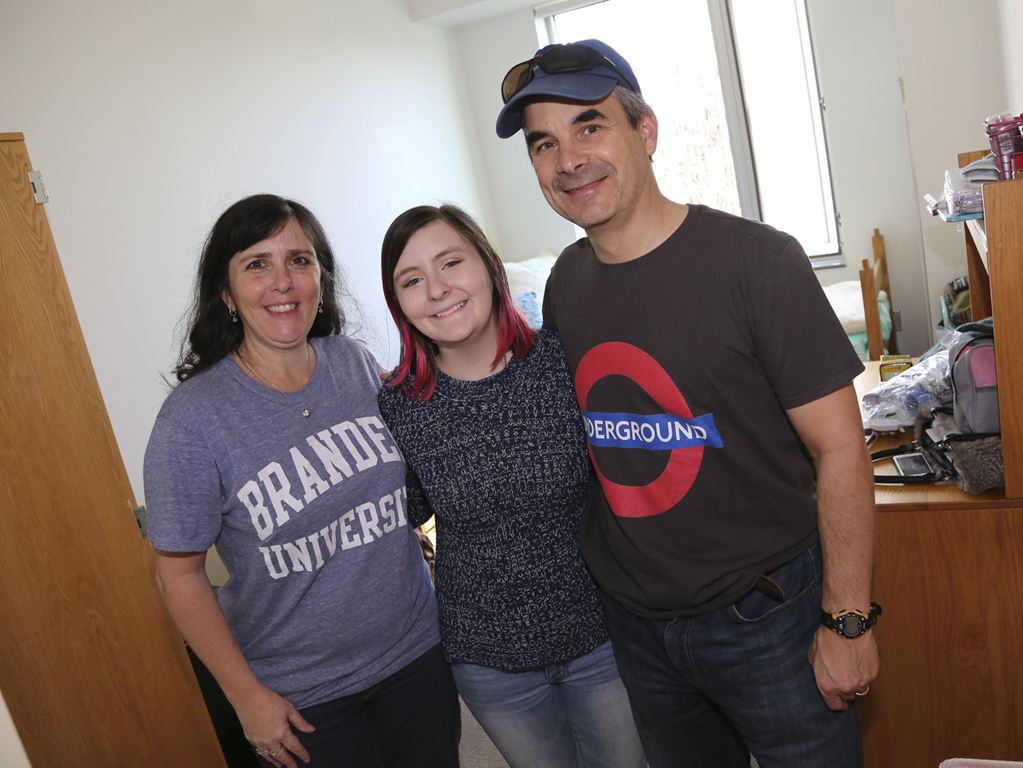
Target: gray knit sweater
[(503, 464)]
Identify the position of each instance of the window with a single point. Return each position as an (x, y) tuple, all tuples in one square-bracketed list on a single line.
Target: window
[(734, 87)]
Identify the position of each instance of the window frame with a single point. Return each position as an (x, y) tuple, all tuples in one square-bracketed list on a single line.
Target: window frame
[(736, 116)]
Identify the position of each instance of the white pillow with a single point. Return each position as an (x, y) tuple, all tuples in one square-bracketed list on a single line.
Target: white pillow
[(846, 299), (530, 276)]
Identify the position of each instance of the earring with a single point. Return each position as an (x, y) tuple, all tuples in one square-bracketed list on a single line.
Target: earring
[(320, 310), (234, 316)]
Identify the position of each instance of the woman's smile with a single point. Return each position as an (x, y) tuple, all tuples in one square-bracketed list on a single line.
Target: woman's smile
[(445, 291)]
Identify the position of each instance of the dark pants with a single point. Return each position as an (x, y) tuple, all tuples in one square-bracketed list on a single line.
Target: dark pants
[(411, 719), (709, 690)]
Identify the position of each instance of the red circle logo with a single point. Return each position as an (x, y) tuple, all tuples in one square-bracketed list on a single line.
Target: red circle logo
[(671, 486)]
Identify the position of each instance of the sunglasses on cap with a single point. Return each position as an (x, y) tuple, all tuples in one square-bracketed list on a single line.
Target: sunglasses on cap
[(562, 60)]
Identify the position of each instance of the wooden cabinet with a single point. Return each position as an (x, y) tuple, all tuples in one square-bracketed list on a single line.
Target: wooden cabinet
[(950, 577), (994, 255)]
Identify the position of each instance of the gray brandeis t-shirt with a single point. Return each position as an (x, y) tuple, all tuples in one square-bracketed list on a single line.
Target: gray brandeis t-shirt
[(328, 590)]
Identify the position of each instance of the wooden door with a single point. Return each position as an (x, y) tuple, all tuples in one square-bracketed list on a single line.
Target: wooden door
[(92, 668)]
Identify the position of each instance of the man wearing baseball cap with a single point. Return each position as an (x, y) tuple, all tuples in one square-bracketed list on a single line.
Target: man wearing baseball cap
[(732, 534)]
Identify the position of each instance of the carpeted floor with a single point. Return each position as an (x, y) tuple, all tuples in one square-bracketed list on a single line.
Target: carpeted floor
[(476, 749)]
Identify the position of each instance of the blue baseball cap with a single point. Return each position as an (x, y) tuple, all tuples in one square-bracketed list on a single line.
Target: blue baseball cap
[(590, 83)]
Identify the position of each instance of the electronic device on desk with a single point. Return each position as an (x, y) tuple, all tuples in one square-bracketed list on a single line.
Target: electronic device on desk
[(910, 464)]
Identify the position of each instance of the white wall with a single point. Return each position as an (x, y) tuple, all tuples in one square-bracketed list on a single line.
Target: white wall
[(14, 756), (954, 77), (868, 144), (524, 224), (1011, 24), (148, 119)]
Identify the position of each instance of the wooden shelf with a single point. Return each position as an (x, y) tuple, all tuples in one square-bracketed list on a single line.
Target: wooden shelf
[(978, 230), (994, 257)]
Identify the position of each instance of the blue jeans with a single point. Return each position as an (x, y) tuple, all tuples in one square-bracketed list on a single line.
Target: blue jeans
[(408, 720), (571, 715), (709, 690)]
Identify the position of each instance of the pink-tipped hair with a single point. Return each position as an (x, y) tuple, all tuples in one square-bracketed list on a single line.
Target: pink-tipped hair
[(416, 372)]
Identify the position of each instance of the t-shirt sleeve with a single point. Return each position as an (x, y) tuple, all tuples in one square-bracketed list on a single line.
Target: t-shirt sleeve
[(799, 340), (183, 489), (374, 369)]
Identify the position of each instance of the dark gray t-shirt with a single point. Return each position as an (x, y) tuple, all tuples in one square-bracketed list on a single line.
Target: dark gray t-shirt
[(328, 590), (685, 361)]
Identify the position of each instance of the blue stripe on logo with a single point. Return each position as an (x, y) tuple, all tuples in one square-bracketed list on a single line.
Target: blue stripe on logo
[(661, 432)]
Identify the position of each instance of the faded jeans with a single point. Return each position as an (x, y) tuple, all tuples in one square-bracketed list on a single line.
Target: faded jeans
[(571, 715)]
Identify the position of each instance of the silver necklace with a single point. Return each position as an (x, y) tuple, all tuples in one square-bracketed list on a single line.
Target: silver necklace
[(305, 411)]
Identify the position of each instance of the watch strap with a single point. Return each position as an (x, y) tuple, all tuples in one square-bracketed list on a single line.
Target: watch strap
[(836, 622)]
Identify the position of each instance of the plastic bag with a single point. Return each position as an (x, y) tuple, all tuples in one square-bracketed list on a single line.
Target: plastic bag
[(893, 404), (962, 195)]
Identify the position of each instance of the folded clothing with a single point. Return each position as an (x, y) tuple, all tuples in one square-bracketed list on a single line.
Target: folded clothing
[(981, 171)]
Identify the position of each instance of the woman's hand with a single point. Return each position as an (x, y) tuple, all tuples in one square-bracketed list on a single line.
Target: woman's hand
[(267, 720)]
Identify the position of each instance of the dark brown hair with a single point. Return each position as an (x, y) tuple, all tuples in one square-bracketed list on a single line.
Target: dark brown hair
[(211, 334), (417, 370)]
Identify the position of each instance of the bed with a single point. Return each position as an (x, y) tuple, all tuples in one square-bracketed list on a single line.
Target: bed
[(863, 306), (527, 280)]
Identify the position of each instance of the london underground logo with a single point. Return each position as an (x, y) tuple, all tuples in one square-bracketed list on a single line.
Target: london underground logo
[(653, 433), (676, 429)]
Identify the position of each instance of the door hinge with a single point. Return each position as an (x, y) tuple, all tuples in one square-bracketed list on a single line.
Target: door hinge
[(35, 178), (140, 518)]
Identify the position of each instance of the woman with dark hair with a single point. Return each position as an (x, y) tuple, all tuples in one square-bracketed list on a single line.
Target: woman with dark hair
[(324, 638), (484, 411)]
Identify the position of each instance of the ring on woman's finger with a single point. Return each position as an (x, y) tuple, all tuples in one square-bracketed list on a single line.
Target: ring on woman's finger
[(864, 692), (274, 753), (263, 752)]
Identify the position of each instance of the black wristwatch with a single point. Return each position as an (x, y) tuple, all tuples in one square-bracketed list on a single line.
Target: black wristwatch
[(851, 624)]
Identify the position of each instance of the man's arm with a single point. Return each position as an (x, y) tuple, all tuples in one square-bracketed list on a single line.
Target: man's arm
[(832, 431)]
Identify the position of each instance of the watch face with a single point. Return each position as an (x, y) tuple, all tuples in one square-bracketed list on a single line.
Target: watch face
[(852, 625)]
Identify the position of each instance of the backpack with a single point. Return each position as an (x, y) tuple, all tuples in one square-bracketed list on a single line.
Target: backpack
[(971, 359)]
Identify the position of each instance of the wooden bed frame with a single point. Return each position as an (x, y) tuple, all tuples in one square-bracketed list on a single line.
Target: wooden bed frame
[(872, 280)]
